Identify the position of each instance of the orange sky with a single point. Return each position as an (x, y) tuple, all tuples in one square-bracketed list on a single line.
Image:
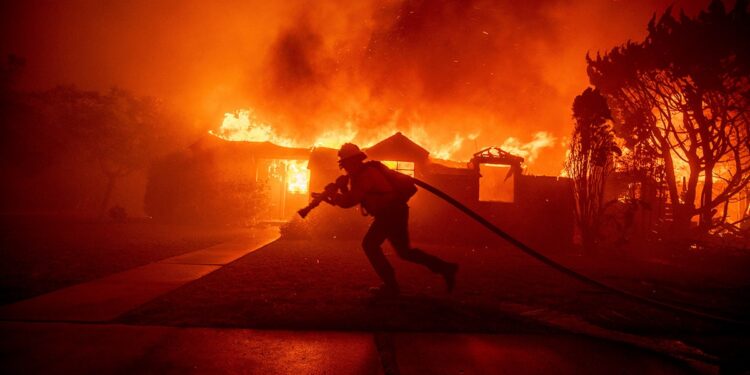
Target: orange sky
[(496, 69)]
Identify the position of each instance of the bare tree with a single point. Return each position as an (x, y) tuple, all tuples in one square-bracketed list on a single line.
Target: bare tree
[(589, 162), (118, 131), (683, 95)]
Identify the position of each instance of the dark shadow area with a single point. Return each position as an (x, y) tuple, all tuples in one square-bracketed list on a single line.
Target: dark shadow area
[(45, 253)]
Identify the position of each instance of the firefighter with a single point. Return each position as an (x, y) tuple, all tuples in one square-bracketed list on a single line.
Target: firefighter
[(372, 186)]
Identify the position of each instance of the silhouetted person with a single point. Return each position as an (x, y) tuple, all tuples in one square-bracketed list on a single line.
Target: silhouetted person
[(372, 186)]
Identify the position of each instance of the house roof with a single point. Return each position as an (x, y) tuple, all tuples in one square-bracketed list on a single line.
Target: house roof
[(264, 150), (323, 157), (397, 147), (495, 155)]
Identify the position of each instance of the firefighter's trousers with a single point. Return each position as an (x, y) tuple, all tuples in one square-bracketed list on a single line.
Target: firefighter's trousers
[(393, 225)]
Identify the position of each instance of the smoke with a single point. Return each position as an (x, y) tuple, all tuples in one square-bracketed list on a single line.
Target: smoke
[(440, 71), (454, 73), (453, 67)]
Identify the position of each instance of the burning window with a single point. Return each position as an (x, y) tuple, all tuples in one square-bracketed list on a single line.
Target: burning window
[(297, 176), (287, 182), (405, 167), (495, 183), (292, 174)]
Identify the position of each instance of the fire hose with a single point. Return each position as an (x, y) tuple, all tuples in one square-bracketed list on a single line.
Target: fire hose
[(549, 262)]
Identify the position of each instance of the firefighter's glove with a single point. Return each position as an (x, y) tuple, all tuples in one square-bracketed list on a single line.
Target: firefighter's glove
[(325, 197), (332, 188), (342, 182)]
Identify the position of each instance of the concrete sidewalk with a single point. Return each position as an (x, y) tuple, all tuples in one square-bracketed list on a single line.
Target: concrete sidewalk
[(107, 298), (43, 348)]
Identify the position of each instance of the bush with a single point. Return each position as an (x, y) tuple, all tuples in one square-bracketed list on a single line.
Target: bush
[(191, 189)]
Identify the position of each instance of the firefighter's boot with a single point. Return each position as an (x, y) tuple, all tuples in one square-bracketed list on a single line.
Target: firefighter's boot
[(449, 275), (385, 291)]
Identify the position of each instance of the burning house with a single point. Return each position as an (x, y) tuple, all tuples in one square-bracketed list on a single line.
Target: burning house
[(536, 209), (282, 171)]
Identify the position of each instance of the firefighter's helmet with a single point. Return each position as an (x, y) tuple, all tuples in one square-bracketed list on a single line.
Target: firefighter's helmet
[(350, 151)]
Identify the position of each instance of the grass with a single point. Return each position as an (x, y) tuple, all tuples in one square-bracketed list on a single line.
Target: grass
[(41, 254)]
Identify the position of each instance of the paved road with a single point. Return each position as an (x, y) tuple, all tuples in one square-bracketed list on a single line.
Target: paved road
[(45, 348)]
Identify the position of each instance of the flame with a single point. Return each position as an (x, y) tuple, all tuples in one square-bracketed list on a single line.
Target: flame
[(529, 151), (243, 125), (295, 171), (439, 151), (336, 138), (297, 176)]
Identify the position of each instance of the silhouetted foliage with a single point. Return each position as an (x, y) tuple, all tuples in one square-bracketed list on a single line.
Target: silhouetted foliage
[(191, 189), (66, 149), (683, 96), (590, 160), (118, 131), (10, 71)]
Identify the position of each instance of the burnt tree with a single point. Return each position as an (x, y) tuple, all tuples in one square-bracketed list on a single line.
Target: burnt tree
[(589, 162), (683, 95), (118, 131)]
